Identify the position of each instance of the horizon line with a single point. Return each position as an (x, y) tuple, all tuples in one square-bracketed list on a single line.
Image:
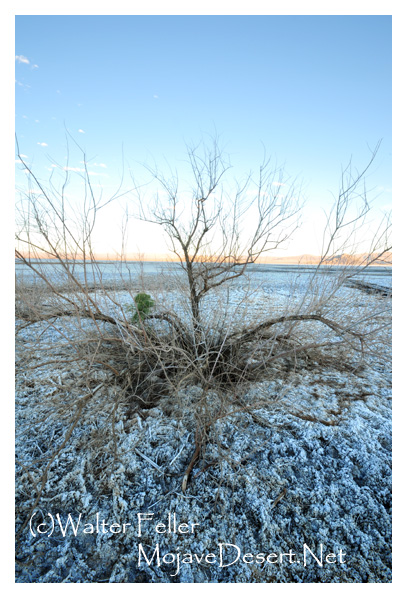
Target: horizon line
[(299, 259)]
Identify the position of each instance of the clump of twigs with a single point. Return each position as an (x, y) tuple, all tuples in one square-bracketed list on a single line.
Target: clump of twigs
[(132, 362)]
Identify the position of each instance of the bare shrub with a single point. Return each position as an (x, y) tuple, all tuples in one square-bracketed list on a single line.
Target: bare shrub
[(201, 340)]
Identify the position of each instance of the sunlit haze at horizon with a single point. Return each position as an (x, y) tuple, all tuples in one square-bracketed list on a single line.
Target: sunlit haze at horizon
[(312, 92)]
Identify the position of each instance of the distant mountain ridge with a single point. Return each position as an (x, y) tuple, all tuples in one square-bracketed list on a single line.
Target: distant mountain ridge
[(341, 259)]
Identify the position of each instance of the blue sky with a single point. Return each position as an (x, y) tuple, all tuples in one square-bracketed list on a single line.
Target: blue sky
[(314, 90)]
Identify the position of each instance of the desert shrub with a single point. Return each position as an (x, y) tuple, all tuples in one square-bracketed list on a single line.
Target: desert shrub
[(151, 356), (143, 305)]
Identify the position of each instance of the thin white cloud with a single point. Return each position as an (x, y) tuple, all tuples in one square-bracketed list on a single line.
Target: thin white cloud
[(36, 121), (20, 58), (35, 66), (101, 164), (41, 143), (155, 97), (25, 117), (77, 169), (23, 156), (81, 131)]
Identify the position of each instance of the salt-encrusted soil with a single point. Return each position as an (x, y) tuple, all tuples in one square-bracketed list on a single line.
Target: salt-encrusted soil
[(306, 472)]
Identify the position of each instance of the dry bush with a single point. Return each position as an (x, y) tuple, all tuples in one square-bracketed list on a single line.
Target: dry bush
[(200, 339)]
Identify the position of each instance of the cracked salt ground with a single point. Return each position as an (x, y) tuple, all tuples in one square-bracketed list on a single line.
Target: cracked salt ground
[(311, 466), (338, 493)]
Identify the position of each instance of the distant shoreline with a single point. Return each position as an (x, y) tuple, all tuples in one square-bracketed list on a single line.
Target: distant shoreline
[(289, 262)]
